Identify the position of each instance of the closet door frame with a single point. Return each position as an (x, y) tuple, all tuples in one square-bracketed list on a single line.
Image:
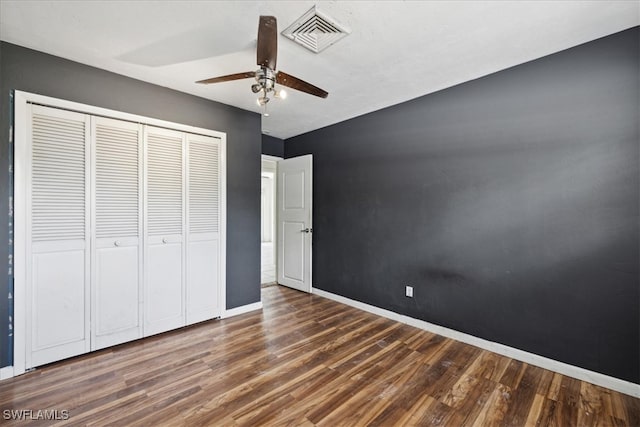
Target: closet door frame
[(20, 221)]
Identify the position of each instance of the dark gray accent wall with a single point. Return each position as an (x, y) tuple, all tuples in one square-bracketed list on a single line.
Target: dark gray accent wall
[(36, 72), (272, 146), (510, 204)]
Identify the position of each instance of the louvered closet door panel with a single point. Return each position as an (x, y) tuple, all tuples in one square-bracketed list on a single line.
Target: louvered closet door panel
[(203, 207), (164, 229), (117, 164), (57, 236)]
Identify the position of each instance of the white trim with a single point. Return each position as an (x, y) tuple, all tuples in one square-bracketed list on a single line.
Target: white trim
[(572, 371), (20, 232), (113, 114), (272, 158), (6, 372), (242, 309), (222, 226)]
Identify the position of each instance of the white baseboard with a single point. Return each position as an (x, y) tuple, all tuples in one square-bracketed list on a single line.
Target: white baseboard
[(572, 371), (6, 372), (242, 309)]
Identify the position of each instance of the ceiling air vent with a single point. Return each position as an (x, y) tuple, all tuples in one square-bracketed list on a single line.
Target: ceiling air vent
[(315, 30)]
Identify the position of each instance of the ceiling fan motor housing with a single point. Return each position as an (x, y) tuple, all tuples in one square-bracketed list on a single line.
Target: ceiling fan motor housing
[(266, 78)]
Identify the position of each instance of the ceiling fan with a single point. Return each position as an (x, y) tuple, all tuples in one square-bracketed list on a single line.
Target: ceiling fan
[(266, 76)]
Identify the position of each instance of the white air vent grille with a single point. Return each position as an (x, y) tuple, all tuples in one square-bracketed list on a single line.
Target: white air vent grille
[(315, 30), (58, 179), (164, 184), (203, 187), (116, 181)]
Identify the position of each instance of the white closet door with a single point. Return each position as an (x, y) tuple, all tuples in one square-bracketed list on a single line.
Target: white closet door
[(164, 229), (203, 219), (117, 257), (57, 236)]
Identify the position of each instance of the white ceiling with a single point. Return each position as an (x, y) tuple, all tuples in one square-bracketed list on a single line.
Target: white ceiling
[(397, 50)]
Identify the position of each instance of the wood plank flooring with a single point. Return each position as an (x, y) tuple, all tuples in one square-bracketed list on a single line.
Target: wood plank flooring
[(307, 361)]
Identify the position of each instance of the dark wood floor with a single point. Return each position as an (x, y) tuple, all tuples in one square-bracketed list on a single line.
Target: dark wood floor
[(302, 361)]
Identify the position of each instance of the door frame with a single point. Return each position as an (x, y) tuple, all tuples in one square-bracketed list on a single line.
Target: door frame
[(274, 216), (20, 220)]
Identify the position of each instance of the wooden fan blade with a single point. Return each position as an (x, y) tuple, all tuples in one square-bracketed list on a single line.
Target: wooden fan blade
[(295, 83), (267, 51), (228, 78)]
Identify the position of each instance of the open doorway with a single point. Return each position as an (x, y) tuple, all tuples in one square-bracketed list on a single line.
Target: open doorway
[(268, 250)]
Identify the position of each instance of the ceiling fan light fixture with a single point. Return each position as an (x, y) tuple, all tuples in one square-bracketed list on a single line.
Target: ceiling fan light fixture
[(266, 75)]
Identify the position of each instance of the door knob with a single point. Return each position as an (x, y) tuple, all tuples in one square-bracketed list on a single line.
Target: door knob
[(308, 230), (164, 240), (116, 243)]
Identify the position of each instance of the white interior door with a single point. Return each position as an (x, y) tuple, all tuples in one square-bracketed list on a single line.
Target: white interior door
[(164, 294), (294, 222), (57, 273), (117, 258)]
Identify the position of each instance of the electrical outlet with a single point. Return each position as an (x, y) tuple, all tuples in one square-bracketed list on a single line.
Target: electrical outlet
[(408, 291)]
